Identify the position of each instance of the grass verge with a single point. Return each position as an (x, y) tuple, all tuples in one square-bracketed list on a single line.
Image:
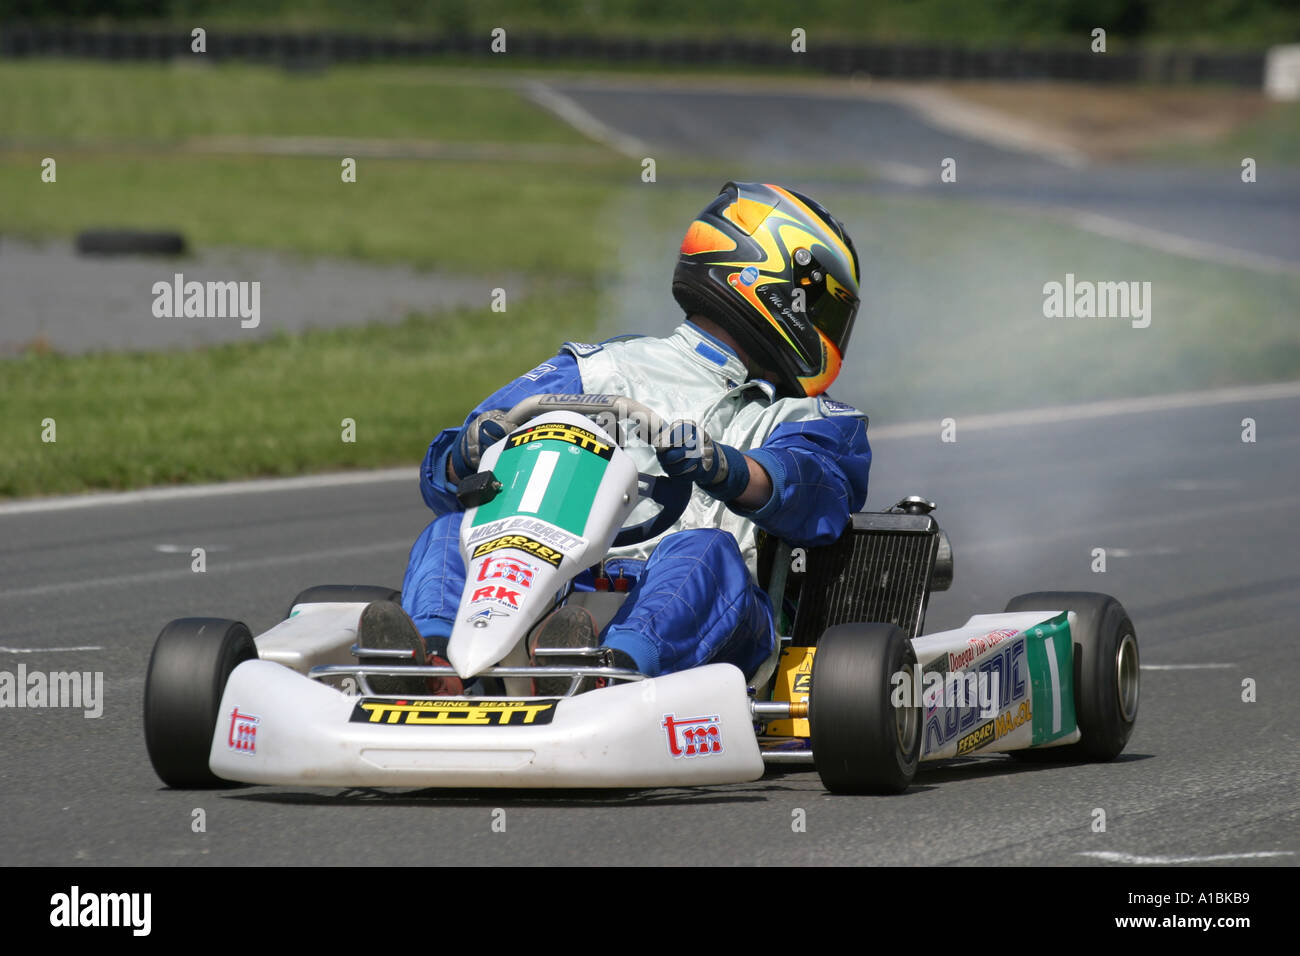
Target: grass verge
[(274, 407), (952, 319), (77, 103), (476, 218)]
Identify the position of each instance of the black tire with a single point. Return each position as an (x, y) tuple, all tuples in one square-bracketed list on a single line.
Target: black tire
[(191, 662), (1106, 675), (359, 593), (123, 242), (862, 743)]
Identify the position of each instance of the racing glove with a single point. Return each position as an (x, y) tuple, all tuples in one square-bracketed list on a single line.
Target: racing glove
[(689, 452), (479, 435)]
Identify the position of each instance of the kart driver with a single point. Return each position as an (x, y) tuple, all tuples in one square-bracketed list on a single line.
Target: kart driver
[(768, 280)]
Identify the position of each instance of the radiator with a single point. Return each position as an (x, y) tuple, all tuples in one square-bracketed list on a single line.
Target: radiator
[(879, 570)]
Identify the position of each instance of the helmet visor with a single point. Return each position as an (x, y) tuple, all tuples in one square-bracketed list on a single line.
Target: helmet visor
[(834, 312)]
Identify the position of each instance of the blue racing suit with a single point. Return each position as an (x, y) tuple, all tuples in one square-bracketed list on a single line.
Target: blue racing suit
[(694, 599)]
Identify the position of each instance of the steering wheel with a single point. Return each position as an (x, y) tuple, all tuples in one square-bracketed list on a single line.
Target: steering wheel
[(613, 413)]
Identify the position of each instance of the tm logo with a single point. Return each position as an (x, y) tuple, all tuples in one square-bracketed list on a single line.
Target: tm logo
[(694, 736), (243, 732)]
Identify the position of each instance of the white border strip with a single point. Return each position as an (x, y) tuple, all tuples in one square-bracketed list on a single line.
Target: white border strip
[(48, 650), (178, 492), (1112, 857)]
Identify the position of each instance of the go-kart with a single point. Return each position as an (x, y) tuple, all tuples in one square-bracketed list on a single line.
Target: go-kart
[(853, 689)]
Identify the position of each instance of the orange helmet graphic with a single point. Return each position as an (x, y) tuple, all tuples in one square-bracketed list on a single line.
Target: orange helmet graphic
[(780, 274)]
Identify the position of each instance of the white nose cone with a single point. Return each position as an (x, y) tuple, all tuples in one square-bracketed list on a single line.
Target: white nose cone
[(472, 657)]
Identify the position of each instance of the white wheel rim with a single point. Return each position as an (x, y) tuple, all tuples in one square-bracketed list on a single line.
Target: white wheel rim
[(1126, 677), (907, 720)]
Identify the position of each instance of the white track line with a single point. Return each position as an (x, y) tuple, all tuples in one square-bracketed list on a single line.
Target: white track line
[(1178, 245), (181, 574), (954, 114), (1032, 416), (1233, 507), (1187, 667), (1111, 857), (902, 173), (258, 486), (48, 650), (1103, 409), (567, 109), (940, 108)]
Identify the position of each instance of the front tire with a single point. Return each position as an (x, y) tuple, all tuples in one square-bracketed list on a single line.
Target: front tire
[(191, 662), (1106, 673), (861, 742)]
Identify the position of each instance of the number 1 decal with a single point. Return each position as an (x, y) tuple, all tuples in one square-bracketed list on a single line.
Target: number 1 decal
[(539, 481), (1056, 685)]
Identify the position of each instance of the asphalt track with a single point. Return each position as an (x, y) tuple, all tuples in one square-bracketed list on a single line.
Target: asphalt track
[(898, 148), (79, 303), (1199, 529)]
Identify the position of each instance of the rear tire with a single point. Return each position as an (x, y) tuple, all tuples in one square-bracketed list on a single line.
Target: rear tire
[(1106, 675), (861, 742), (191, 662), (345, 594)]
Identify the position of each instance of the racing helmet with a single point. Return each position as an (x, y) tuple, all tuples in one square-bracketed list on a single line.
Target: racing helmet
[(743, 261)]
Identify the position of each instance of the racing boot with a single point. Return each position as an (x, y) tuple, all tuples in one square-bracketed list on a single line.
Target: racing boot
[(571, 627), (385, 626)]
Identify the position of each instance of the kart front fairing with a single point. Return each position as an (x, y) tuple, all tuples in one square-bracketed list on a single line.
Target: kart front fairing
[(566, 489), (690, 728)]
